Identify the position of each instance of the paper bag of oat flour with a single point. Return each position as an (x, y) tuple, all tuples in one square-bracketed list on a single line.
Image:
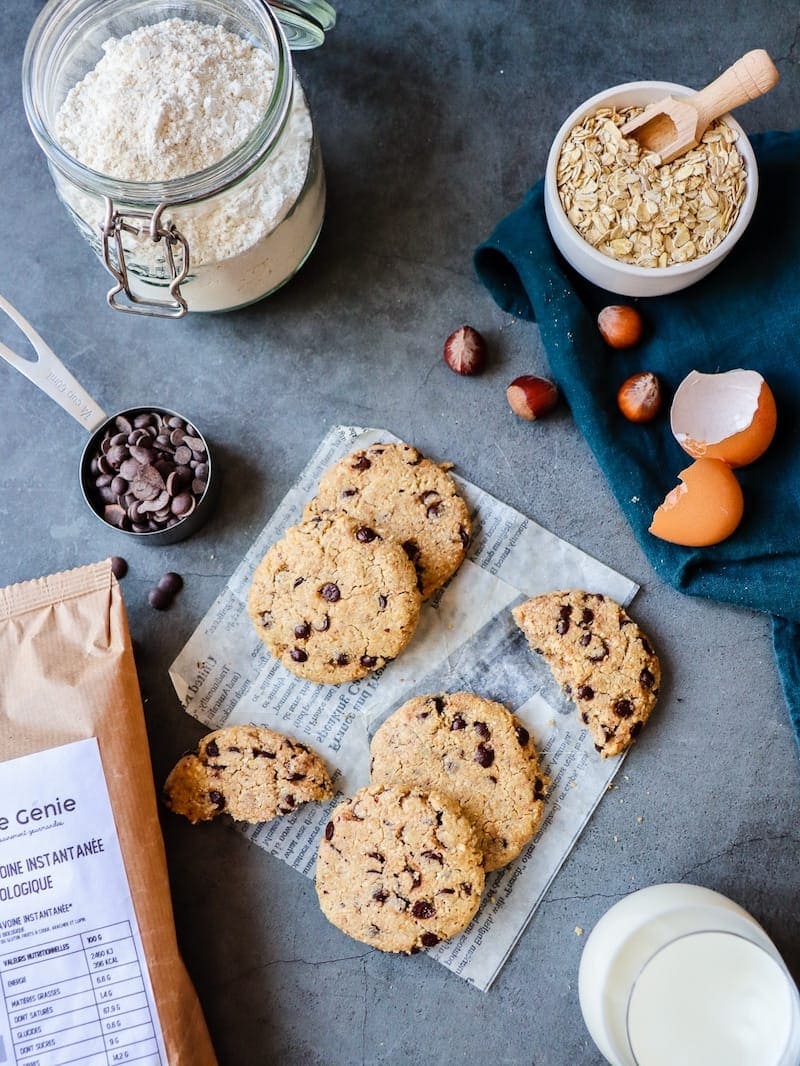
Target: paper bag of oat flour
[(89, 965)]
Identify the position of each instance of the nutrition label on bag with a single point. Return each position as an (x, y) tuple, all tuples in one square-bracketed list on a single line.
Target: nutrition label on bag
[(74, 986)]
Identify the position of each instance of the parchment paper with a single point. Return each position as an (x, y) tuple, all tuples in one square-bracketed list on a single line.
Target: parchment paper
[(466, 639)]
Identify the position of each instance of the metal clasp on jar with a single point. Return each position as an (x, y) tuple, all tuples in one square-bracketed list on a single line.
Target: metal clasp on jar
[(113, 226)]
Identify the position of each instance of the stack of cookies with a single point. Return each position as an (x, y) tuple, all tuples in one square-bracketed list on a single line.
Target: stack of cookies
[(456, 792), (339, 595)]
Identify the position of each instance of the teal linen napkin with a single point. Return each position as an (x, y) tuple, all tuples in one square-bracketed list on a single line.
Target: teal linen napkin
[(746, 313)]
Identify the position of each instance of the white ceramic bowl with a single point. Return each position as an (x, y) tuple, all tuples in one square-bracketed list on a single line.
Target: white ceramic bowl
[(625, 278)]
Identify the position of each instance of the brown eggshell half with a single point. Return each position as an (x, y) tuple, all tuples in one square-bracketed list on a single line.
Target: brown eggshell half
[(704, 509), (730, 416)]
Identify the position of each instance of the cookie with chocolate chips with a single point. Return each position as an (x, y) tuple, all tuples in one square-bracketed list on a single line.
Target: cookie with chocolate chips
[(399, 868), (334, 599), (249, 772), (475, 752), (601, 659), (396, 490)]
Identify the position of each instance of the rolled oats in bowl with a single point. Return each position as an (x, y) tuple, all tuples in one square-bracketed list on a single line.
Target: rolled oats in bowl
[(633, 209)]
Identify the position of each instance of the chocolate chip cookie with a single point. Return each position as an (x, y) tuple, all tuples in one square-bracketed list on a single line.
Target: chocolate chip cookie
[(334, 599), (601, 659), (475, 752), (399, 868), (396, 490), (249, 772)]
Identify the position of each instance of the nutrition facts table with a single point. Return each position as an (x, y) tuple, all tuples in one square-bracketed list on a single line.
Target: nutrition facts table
[(79, 1000)]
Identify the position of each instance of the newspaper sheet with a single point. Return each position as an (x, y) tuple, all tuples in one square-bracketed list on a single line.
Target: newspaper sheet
[(466, 639)]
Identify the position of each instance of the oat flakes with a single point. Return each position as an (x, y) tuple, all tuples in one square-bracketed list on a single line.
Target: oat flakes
[(630, 207)]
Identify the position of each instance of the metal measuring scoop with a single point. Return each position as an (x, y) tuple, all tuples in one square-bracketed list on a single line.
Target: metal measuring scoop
[(50, 375), (672, 126)]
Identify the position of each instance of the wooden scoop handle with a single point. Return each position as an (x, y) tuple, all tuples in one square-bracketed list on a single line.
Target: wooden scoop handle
[(751, 76)]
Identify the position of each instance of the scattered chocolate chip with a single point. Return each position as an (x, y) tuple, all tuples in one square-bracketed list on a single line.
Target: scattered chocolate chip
[(158, 599), (585, 717), (212, 749), (382, 601), (623, 707), (636, 729), (341, 659), (330, 592), (433, 856), (429, 940), (349, 492), (598, 747), (484, 755), (585, 692), (587, 617), (298, 581), (423, 908), (376, 855), (171, 582), (119, 567), (380, 895), (646, 646), (302, 631), (411, 549), (217, 799), (266, 619), (361, 463), (368, 661), (464, 536), (457, 723), (586, 640), (565, 612), (646, 678), (259, 753), (438, 704), (288, 801), (329, 831), (466, 888), (482, 729), (365, 535), (446, 892), (523, 736), (298, 655), (562, 625), (538, 789), (424, 714), (292, 777)]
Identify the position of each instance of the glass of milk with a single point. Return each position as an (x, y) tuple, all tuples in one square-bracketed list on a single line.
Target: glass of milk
[(680, 974)]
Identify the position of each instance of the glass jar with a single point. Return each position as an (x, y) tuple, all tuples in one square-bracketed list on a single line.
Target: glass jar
[(220, 238)]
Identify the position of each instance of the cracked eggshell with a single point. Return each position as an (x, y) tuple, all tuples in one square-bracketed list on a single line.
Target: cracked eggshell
[(704, 509), (729, 416)]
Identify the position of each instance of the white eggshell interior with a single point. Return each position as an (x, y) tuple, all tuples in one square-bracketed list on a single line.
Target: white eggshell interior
[(709, 408)]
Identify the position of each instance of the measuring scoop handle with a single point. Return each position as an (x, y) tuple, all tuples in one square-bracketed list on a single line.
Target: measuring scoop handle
[(50, 375), (749, 77)]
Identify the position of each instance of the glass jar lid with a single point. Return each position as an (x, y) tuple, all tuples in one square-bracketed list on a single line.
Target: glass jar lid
[(305, 22)]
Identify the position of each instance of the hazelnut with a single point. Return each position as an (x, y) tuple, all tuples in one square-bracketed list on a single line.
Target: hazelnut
[(531, 397), (465, 351), (639, 397), (620, 326)]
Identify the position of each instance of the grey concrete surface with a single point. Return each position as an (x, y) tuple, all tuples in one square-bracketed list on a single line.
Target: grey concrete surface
[(434, 119)]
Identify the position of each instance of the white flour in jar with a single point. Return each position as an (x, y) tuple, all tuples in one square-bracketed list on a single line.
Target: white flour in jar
[(173, 98)]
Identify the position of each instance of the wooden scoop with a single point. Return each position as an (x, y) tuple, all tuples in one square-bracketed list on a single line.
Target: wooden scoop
[(673, 126)]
